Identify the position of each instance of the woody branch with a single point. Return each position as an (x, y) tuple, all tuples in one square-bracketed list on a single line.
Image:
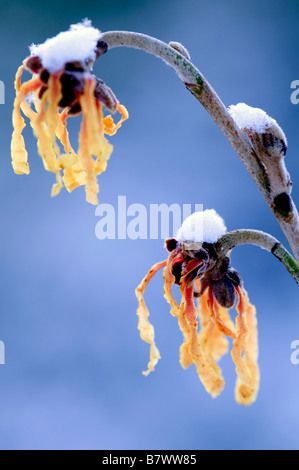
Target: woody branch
[(177, 57), (258, 238)]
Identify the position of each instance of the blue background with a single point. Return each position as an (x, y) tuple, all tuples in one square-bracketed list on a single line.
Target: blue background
[(72, 378)]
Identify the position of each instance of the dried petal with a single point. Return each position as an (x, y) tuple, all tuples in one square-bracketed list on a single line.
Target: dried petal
[(144, 326), (245, 351)]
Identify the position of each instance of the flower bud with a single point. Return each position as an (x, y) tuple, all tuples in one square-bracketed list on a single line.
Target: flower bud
[(180, 48), (270, 144)]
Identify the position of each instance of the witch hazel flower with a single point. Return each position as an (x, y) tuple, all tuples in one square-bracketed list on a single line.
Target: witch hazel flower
[(63, 85), (201, 273)]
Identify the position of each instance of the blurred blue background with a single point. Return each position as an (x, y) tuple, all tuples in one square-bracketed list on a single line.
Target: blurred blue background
[(72, 378)]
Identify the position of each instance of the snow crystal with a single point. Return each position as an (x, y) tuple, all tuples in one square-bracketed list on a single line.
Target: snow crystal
[(76, 44), (206, 226)]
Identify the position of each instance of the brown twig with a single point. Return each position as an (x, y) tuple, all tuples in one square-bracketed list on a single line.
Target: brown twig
[(205, 94)]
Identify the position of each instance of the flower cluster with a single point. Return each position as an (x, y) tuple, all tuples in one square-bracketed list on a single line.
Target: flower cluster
[(200, 272), (64, 85)]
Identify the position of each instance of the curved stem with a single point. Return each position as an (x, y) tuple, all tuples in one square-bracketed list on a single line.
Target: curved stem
[(206, 95), (202, 90), (184, 68), (263, 240)]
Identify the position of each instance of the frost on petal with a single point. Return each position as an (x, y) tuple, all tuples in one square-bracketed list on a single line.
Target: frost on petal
[(206, 226)]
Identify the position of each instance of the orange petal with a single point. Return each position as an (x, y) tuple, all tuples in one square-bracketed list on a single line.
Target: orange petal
[(18, 151), (216, 316), (144, 326), (109, 127), (209, 375), (213, 342), (246, 343)]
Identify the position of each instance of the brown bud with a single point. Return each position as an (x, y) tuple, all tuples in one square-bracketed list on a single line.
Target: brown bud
[(104, 94), (269, 142), (33, 63), (180, 48)]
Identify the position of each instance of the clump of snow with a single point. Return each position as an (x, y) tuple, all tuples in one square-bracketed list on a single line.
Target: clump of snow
[(76, 44), (205, 226), (247, 117), (256, 120)]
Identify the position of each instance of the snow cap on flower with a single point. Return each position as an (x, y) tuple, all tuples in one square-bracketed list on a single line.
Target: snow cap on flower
[(206, 274), (204, 226), (62, 86), (77, 44), (256, 120)]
